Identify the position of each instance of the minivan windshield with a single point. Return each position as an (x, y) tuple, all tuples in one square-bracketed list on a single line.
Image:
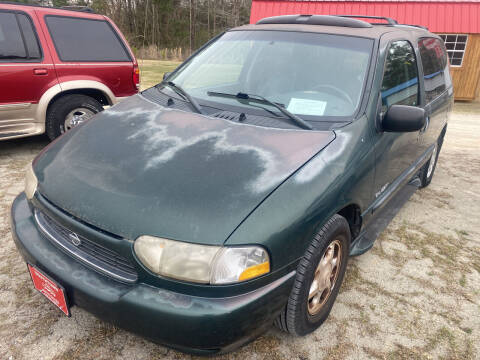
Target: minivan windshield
[(309, 74)]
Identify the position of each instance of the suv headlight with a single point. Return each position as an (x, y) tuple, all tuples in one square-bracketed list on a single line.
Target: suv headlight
[(201, 263), (30, 182)]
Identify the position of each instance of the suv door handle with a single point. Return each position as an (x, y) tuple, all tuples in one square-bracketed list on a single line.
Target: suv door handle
[(40, 71)]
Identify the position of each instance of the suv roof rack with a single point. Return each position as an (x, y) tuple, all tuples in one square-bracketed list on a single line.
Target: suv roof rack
[(69, 8), (329, 20), (390, 21), (78, 8)]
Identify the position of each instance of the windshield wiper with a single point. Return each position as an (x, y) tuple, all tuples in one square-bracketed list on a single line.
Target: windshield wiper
[(179, 90), (244, 96)]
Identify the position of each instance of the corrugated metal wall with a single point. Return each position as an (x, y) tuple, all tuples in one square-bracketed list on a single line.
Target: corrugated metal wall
[(439, 17)]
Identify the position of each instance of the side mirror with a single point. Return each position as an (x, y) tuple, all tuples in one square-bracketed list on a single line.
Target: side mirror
[(403, 118), (166, 75)]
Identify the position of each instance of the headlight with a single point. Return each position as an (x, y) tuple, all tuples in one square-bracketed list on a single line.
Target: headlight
[(30, 182), (239, 264), (176, 259), (201, 263)]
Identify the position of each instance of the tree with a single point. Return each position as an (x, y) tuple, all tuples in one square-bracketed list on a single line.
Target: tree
[(185, 24)]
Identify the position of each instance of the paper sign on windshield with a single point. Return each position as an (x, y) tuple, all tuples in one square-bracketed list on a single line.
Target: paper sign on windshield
[(307, 107)]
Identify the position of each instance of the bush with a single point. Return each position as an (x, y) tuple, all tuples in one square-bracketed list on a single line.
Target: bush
[(152, 52)]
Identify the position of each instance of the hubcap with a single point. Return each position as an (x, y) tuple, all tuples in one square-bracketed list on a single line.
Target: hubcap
[(432, 161), (325, 277), (76, 117)]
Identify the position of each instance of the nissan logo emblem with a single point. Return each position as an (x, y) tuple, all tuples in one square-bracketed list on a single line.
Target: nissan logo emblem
[(75, 239)]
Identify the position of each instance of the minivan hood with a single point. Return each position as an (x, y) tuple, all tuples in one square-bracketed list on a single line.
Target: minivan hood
[(140, 168)]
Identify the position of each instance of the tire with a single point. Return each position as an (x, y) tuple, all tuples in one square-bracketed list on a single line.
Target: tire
[(70, 110), (302, 315), (427, 170)]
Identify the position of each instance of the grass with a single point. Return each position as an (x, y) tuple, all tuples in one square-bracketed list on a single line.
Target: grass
[(151, 71)]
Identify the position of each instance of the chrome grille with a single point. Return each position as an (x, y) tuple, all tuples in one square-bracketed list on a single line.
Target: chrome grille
[(100, 258)]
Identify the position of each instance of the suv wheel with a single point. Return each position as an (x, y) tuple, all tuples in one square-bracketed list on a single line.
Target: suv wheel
[(319, 276), (68, 112)]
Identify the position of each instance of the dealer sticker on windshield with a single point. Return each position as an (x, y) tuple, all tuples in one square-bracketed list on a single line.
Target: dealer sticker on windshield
[(307, 106)]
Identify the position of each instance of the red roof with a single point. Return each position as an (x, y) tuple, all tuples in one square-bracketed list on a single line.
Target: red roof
[(439, 16)]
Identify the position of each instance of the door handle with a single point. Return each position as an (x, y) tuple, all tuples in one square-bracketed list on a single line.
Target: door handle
[(41, 71)]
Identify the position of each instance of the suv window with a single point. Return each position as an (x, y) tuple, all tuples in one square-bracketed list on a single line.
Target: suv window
[(11, 43), (400, 77), (434, 63), (29, 37), (17, 38), (79, 39)]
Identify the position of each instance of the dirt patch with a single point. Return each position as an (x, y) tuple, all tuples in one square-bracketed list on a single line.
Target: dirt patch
[(414, 295)]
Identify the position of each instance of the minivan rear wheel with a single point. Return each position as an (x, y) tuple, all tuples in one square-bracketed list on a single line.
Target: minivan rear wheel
[(68, 112), (319, 276)]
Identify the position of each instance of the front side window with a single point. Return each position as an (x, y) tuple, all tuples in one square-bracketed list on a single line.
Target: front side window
[(78, 39), (312, 75), (400, 77), (434, 64)]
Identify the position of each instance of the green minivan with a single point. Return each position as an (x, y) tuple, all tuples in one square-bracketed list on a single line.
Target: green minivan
[(230, 196)]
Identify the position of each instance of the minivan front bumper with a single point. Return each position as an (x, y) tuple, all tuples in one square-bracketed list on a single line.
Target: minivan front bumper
[(193, 324)]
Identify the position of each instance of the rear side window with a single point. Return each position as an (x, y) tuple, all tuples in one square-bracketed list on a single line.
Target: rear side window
[(18, 41), (11, 43), (78, 39), (29, 36), (400, 77), (434, 63)]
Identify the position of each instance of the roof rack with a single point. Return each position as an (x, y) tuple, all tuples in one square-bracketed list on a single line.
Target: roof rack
[(328, 20), (417, 26), (78, 8), (69, 8), (390, 21), (334, 20)]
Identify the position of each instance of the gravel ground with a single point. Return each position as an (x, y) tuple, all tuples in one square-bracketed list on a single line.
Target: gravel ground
[(416, 294)]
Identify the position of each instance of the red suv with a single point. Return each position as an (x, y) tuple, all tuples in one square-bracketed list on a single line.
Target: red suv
[(58, 68)]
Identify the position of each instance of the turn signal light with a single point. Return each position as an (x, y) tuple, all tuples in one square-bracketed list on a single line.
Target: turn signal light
[(255, 271)]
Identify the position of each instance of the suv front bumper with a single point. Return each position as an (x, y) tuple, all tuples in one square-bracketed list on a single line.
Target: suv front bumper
[(199, 325)]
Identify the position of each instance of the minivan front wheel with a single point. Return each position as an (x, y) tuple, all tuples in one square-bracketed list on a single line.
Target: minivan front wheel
[(68, 112), (319, 276)]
